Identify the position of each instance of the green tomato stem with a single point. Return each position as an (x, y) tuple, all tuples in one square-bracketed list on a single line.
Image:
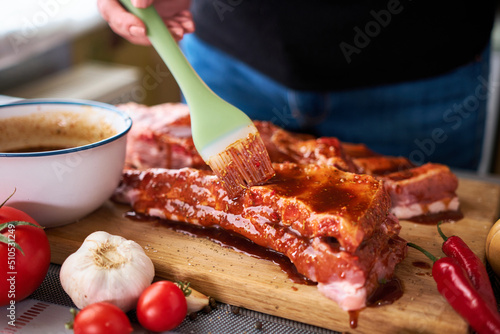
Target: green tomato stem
[(11, 225), (8, 198)]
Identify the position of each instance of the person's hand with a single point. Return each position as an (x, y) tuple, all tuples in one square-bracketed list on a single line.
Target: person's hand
[(175, 14)]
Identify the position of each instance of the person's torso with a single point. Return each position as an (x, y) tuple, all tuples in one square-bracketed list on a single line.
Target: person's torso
[(334, 45)]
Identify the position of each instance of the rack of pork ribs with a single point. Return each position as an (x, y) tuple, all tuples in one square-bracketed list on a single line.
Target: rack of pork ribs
[(332, 207)]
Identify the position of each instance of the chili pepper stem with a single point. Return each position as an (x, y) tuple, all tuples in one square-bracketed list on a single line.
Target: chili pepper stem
[(426, 253), (445, 238)]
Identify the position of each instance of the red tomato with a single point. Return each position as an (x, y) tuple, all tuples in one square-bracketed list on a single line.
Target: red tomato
[(101, 318), (161, 307), (21, 275)]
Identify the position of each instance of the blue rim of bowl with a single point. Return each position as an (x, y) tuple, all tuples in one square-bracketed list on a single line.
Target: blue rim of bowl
[(124, 116)]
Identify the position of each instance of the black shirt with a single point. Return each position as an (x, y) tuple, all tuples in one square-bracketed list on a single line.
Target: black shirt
[(333, 45)]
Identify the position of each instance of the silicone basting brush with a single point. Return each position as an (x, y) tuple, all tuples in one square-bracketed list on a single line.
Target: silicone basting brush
[(225, 136)]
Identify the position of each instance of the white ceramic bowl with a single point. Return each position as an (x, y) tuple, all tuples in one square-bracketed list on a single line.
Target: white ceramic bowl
[(78, 174)]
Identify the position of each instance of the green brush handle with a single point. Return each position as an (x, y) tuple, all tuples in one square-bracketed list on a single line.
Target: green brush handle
[(211, 116)]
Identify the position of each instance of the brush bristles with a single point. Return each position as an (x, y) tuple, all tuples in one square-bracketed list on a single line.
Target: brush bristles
[(243, 164)]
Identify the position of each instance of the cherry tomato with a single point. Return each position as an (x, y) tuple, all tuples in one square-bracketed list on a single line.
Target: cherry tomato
[(161, 307), (101, 318), (21, 274)]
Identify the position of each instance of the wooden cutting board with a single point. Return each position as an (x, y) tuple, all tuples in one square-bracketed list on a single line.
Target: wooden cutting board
[(238, 279)]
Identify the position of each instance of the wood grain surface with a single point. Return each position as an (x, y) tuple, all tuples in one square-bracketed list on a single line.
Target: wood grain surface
[(238, 279)]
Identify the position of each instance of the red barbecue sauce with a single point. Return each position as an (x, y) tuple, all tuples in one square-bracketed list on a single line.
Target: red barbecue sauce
[(386, 294), (434, 218)]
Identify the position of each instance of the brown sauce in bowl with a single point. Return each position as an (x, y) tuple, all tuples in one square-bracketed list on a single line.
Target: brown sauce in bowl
[(52, 131), (37, 149)]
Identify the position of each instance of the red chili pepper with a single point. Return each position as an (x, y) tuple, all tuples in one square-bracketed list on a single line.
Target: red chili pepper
[(456, 287), (457, 249)]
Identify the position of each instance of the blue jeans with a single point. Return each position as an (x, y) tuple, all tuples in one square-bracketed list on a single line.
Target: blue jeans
[(440, 119)]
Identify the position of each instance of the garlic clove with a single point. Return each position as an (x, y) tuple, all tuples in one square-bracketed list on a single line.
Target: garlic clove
[(196, 300), (107, 268)]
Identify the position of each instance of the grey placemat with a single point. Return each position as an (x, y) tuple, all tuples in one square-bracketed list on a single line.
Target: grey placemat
[(222, 319)]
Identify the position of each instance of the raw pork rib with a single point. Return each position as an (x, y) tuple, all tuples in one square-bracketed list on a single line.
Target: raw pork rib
[(415, 190), (335, 226), (161, 137)]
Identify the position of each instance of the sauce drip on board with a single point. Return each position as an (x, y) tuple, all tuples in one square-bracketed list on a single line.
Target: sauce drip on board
[(353, 318), (386, 293), (426, 267), (233, 241), (421, 265), (434, 218)]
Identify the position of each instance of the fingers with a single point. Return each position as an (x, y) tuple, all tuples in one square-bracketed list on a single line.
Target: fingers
[(175, 29), (180, 24), (130, 27), (142, 3), (186, 21), (122, 22)]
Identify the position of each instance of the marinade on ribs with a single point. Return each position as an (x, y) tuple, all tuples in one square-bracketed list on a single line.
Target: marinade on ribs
[(335, 226), (161, 137), (415, 190)]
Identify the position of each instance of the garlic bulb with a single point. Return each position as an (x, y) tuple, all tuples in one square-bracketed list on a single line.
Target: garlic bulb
[(107, 268)]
